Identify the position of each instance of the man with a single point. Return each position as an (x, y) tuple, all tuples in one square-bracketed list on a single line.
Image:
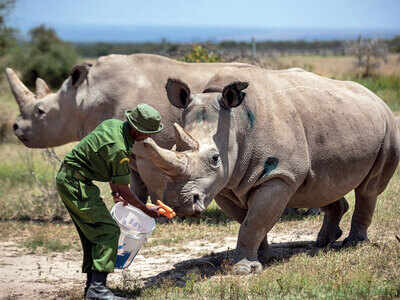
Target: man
[(103, 155)]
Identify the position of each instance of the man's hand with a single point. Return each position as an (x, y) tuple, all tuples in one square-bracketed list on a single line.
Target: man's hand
[(122, 193), (152, 211), (120, 199)]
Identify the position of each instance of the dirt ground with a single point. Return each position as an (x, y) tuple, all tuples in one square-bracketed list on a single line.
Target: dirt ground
[(26, 275)]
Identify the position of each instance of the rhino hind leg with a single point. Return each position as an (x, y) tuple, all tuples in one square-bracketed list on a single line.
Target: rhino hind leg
[(363, 211), (330, 230), (373, 185)]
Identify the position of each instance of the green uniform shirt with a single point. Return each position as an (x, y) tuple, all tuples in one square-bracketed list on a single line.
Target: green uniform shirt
[(103, 155)]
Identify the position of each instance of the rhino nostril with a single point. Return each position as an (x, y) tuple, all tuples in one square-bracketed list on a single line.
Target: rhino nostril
[(196, 198), (15, 126)]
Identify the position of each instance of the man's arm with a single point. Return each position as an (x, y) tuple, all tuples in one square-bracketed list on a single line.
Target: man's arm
[(123, 191)]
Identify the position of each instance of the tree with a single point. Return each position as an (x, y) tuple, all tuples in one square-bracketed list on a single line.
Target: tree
[(201, 54), (394, 44), (42, 38), (48, 57), (7, 34), (369, 54)]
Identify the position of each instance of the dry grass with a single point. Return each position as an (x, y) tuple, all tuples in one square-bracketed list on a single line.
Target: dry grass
[(8, 113), (336, 66), (368, 271), (364, 272), (27, 184)]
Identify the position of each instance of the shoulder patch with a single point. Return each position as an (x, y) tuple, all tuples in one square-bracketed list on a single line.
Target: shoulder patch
[(125, 159), (269, 166)]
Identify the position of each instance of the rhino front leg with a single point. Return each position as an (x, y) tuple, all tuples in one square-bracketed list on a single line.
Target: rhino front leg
[(266, 204), (238, 214), (330, 230), (230, 208)]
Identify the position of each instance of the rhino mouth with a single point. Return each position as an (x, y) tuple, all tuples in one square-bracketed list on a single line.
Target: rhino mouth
[(22, 138), (193, 210)]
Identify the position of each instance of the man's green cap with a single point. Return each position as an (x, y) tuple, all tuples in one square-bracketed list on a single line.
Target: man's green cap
[(145, 119)]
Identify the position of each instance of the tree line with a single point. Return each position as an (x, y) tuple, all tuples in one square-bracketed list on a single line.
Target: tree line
[(335, 47), (47, 56)]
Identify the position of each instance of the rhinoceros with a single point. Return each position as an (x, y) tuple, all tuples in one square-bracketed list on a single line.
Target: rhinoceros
[(101, 91), (257, 141)]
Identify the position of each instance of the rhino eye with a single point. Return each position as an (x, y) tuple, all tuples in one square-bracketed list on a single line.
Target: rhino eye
[(39, 112), (215, 159)]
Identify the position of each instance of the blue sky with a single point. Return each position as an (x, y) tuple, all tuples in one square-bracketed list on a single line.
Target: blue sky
[(382, 14)]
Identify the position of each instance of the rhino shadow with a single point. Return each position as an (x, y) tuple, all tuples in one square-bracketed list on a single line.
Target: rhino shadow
[(216, 264), (216, 216)]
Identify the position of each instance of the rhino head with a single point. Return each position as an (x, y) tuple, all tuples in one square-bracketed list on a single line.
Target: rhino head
[(206, 150), (53, 113)]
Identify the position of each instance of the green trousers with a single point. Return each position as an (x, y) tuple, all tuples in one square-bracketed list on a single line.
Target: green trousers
[(97, 229)]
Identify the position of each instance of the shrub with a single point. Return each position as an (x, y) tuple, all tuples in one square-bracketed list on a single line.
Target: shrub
[(386, 87), (47, 57), (201, 54), (369, 54), (5, 127)]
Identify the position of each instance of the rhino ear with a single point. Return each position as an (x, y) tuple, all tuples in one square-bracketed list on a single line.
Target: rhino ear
[(79, 74), (178, 93), (232, 95)]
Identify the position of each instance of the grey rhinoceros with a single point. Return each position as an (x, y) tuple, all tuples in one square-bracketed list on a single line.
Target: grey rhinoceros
[(257, 141), (101, 91)]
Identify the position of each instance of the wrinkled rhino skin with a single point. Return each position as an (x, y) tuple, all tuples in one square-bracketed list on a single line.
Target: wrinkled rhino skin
[(258, 141), (104, 90)]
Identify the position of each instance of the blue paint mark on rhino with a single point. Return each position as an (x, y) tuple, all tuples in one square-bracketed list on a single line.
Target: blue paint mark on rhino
[(269, 166), (251, 117), (201, 115)]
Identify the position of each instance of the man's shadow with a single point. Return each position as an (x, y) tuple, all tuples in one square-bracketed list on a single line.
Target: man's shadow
[(216, 264)]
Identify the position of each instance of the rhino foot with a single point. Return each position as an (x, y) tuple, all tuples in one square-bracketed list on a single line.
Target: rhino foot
[(245, 267), (324, 239), (354, 239)]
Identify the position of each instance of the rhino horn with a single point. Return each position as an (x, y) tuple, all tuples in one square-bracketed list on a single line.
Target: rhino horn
[(170, 162), (41, 88), (21, 93), (184, 141)]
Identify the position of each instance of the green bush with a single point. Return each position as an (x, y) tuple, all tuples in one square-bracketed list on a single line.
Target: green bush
[(53, 66), (201, 54), (386, 87), (46, 57)]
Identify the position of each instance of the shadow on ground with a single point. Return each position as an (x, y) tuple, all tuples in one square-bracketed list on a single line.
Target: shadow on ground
[(217, 264), (216, 216)]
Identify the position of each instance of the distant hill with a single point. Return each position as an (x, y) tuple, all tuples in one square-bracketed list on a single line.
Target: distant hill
[(101, 33)]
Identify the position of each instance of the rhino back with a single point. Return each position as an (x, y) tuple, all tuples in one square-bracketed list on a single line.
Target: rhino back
[(320, 135), (120, 82)]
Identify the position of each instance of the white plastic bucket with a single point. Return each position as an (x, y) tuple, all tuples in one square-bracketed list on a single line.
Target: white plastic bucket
[(135, 227)]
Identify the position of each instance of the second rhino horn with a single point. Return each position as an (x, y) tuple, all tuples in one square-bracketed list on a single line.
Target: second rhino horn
[(184, 141), (41, 88), (171, 162)]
